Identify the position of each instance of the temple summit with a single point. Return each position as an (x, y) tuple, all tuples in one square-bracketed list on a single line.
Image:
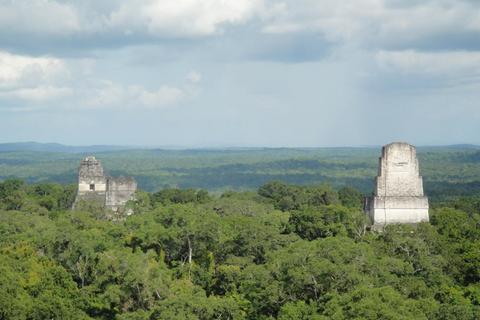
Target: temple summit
[(398, 196)]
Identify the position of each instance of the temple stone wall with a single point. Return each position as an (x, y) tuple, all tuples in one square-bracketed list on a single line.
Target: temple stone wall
[(119, 191), (90, 175), (398, 196), (95, 186)]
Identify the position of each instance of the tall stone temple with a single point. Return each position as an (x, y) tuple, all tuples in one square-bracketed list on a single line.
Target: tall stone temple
[(398, 196), (95, 186)]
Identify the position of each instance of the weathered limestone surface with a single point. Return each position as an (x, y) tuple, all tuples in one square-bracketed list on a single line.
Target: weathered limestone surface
[(398, 195), (91, 172), (119, 191), (94, 185), (91, 176)]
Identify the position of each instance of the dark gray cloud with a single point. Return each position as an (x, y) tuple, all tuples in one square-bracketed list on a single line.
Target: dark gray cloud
[(301, 29)]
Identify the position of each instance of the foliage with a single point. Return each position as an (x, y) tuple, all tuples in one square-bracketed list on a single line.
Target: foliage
[(286, 252), (288, 197)]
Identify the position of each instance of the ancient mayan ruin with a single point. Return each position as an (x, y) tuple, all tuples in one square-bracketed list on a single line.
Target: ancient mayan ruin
[(398, 196), (109, 192)]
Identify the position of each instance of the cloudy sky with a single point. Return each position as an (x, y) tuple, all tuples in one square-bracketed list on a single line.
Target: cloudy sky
[(212, 73)]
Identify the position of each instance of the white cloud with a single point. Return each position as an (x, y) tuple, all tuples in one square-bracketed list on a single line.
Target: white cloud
[(37, 81), (163, 96), (373, 22), (154, 18), (369, 23), (103, 94), (448, 64), (18, 70), (32, 78), (425, 71), (37, 94), (107, 94), (39, 17), (180, 17), (194, 77)]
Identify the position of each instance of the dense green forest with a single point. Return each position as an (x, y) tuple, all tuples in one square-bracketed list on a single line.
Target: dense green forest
[(451, 170), (280, 252)]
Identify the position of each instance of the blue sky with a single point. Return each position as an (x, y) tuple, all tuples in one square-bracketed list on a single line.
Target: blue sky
[(213, 73)]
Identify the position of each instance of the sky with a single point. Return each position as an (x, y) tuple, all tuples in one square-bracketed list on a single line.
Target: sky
[(240, 73)]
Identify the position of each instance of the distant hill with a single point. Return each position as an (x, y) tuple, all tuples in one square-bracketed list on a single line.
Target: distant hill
[(465, 146), (57, 147), (61, 148)]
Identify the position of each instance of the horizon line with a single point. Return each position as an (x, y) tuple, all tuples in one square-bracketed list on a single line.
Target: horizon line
[(220, 147)]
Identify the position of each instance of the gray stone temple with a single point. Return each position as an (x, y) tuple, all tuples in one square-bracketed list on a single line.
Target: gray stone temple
[(398, 196), (95, 186)]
